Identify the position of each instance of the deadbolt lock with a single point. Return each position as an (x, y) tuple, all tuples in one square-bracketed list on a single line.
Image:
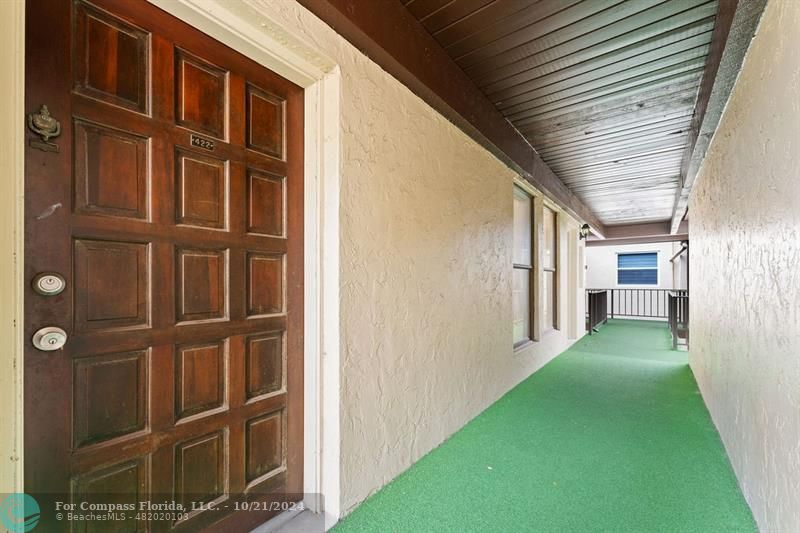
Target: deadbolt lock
[(49, 339), (49, 283)]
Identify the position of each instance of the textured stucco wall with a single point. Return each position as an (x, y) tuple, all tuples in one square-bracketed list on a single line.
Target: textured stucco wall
[(745, 273), (426, 236)]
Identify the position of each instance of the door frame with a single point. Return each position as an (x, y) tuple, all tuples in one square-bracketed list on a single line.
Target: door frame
[(261, 36)]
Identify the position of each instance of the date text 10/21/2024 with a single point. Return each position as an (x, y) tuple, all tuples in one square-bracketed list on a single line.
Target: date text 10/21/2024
[(148, 506)]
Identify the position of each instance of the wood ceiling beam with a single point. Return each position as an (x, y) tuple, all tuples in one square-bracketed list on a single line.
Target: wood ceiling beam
[(389, 35), (736, 23), (639, 240), (641, 234)]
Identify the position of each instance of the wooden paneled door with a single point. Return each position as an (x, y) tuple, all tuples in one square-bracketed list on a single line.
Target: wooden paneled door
[(171, 204)]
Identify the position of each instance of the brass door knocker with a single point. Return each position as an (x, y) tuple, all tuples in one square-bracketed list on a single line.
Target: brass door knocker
[(44, 125)]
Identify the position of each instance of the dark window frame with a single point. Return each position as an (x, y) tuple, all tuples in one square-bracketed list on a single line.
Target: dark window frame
[(522, 343), (554, 269)]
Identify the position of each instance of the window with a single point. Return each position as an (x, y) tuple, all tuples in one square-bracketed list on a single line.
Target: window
[(637, 269), (522, 290), (550, 268)]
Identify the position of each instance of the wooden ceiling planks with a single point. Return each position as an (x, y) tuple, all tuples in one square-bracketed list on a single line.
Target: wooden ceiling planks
[(389, 34), (604, 90)]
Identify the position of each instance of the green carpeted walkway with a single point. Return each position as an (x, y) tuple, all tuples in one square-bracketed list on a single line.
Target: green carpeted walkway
[(612, 436)]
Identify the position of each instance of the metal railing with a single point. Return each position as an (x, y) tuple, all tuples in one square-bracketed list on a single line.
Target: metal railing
[(638, 303), (679, 316), (596, 309), (659, 304)]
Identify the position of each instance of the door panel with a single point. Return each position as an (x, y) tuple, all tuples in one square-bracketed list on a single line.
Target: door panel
[(173, 209)]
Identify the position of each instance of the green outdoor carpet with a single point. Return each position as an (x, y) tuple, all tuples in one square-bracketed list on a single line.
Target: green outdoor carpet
[(612, 435)]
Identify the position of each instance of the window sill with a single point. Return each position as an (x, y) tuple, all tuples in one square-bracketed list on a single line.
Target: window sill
[(522, 346), (544, 336)]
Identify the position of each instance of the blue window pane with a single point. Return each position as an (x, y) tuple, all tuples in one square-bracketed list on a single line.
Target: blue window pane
[(645, 260), (647, 276)]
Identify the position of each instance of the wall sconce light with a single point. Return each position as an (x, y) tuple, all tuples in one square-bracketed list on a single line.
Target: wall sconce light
[(584, 231)]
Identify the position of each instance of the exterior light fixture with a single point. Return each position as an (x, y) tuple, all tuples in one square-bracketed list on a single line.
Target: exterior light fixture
[(584, 231)]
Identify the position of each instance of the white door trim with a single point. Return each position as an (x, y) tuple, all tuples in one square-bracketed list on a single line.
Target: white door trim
[(12, 186)]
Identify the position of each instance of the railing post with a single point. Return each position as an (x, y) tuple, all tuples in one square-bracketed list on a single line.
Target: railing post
[(612, 303), (673, 312), (590, 306), (687, 320), (591, 313)]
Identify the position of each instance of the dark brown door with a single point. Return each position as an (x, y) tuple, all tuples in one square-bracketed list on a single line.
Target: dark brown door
[(173, 209)]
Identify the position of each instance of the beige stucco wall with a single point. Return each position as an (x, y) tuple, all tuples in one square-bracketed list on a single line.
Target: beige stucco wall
[(745, 273), (426, 235)]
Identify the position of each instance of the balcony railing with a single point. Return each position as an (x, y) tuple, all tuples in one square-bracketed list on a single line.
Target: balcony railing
[(679, 316), (596, 309), (638, 303), (669, 305)]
